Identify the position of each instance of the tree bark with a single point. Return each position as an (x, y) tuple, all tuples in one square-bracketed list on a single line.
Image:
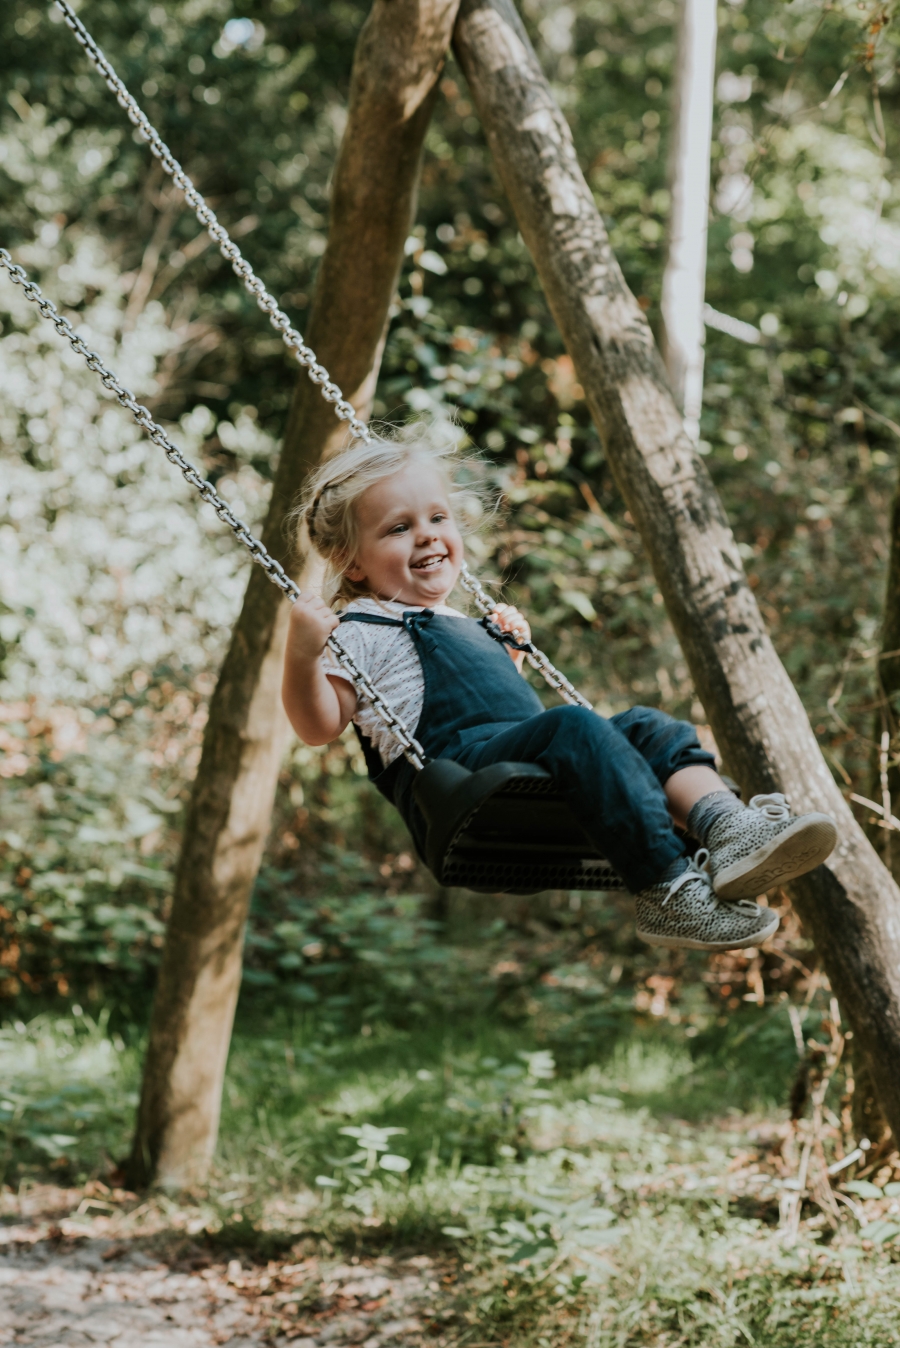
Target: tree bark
[(684, 276), (851, 906), (884, 785), (399, 57), (887, 676), (868, 1116), (889, 661)]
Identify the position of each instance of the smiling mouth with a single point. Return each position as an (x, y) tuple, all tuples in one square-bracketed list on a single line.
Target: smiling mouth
[(429, 563)]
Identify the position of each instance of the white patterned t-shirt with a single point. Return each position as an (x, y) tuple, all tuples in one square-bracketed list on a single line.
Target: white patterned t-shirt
[(389, 656)]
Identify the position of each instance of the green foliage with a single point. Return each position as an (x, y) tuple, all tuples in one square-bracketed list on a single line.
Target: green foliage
[(67, 1095), (580, 1206), (87, 843), (256, 125), (369, 956)]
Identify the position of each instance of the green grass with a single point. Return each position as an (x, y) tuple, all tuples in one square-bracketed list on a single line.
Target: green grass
[(68, 1089), (627, 1203)]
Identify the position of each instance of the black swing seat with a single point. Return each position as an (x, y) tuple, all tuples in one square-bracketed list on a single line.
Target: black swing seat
[(505, 829)]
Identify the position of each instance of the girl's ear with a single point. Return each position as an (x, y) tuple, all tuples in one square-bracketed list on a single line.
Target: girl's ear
[(355, 573)]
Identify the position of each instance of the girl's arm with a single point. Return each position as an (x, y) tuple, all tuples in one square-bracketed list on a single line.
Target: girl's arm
[(319, 705), (509, 619)]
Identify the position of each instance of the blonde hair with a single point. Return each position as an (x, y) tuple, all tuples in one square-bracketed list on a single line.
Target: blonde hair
[(327, 510)]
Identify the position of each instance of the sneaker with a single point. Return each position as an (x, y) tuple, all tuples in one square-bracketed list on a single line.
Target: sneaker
[(685, 913), (752, 850)]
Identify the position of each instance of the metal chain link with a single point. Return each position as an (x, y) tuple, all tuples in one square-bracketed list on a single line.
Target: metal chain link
[(273, 569), (535, 657), (227, 247), (306, 358)]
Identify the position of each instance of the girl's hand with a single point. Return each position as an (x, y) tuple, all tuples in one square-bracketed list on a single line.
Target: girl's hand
[(319, 705), (312, 623), (509, 619)]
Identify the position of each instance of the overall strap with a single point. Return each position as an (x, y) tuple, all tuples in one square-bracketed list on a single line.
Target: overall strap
[(414, 623), (382, 621)]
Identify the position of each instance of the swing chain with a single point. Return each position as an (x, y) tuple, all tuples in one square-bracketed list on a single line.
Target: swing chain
[(306, 358), (535, 657), (260, 554), (207, 218)]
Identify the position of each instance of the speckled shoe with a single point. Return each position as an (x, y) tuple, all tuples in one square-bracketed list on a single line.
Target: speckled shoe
[(685, 913), (752, 850)]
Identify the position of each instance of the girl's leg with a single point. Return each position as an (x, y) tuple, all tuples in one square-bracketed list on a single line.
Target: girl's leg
[(620, 802), (684, 769), (751, 849), (667, 745), (687, 786), (610, 787)]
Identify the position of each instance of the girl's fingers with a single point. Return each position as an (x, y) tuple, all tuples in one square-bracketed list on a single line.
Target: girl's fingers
[(313, 622), (509, 619)]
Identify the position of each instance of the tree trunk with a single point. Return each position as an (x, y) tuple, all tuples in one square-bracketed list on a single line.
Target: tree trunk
[(684, 277), (851, 906), (887, 676), (884, 785), (399, 57), (889, 660), (868, 1116)]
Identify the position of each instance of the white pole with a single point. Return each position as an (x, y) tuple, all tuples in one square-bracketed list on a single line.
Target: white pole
[(684, 279)]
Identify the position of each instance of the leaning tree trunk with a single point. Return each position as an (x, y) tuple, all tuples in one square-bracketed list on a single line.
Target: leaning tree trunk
[(399, 56), (684, 275), (884, 787), (851, 906)]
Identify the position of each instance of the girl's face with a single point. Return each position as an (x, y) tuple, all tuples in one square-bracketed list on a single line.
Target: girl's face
[(409, 547)]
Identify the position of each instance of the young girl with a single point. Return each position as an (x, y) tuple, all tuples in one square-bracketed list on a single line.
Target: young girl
[(382, 516)]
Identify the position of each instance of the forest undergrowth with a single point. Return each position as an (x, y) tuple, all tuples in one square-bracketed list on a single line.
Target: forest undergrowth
[(610, 1204)]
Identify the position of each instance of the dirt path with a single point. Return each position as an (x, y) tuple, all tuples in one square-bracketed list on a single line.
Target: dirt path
[(70, 1276)]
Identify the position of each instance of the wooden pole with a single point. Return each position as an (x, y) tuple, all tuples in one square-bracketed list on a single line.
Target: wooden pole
[(888, 686), (684, 275), (851, 906), (399, 57)]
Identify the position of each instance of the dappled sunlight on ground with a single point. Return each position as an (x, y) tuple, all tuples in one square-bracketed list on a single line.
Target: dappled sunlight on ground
[(94, 1266)]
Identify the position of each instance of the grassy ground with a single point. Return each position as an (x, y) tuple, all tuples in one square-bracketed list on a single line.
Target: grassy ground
[(646, 1199)]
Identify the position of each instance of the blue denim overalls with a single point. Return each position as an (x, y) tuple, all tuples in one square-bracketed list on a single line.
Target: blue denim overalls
[(479, 710)]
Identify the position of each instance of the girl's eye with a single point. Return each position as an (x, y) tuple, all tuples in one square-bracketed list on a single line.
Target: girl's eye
[(438, 518), (398, 529)]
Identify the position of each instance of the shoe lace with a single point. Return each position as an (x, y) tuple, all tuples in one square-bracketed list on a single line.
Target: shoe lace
[(696, 869), (774, 806)]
